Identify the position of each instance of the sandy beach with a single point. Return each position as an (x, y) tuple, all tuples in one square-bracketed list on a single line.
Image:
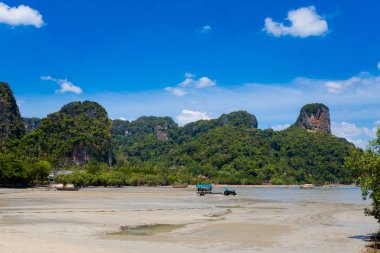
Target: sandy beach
[(174, 220)]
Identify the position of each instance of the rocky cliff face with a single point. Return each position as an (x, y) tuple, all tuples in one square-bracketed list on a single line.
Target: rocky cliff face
[(11, 125), (314, 118), (161, 133), (31, 123)]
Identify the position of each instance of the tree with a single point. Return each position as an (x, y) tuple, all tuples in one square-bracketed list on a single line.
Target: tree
[(366, 168), (39, 171)]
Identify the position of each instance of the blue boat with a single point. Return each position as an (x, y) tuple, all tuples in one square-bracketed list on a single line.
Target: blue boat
[(203, 189)]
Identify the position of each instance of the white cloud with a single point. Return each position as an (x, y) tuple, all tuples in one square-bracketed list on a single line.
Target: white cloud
[(204, 82), (280, 127), (304, 22), (21, 15), (191, 82), (206, 29), (353, 133), (187, 116), (341, 85), (176, 91), (349, 130), (66, 85)]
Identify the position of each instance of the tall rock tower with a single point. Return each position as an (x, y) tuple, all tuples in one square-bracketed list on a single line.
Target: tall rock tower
[(314, 118), (11, 125)]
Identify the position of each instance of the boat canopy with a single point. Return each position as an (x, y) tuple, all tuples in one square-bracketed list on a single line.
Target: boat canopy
[(204, 186)]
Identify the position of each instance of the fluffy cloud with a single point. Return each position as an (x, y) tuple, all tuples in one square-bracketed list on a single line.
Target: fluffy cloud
[(204, 82), (187, 116), (280, 127), (353, 133), (21, 15), (304, 22), (189, 83), (66, 85), (356, 87), (349, 130), (341, 85), (206, 29)]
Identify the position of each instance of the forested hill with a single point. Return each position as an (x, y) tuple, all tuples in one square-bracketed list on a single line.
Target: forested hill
[(229, 149), (77, 134)]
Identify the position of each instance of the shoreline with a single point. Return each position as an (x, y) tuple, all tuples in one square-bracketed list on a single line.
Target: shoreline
[(190, 186)]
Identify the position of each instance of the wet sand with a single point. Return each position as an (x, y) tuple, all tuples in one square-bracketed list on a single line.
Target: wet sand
[(174, 220)]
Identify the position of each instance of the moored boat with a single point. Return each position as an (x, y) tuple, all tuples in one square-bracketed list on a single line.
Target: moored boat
[(178, 185), (67, 188)]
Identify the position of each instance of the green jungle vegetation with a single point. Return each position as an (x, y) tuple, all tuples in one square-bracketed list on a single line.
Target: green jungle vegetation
[(21, 172), (311, 109), (79, 133), (239, 155), (365, 167), (156, 151)]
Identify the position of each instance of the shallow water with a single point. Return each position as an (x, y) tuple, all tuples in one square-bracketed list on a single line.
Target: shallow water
[(147, 229), (341, 195)]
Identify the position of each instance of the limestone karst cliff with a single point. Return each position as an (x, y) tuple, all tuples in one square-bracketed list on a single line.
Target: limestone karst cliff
[(314, 118), (31, 123)]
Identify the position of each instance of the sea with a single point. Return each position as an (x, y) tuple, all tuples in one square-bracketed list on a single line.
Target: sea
[(340, 194)]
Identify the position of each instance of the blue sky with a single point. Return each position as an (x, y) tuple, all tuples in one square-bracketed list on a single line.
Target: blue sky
[(197, 59)]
